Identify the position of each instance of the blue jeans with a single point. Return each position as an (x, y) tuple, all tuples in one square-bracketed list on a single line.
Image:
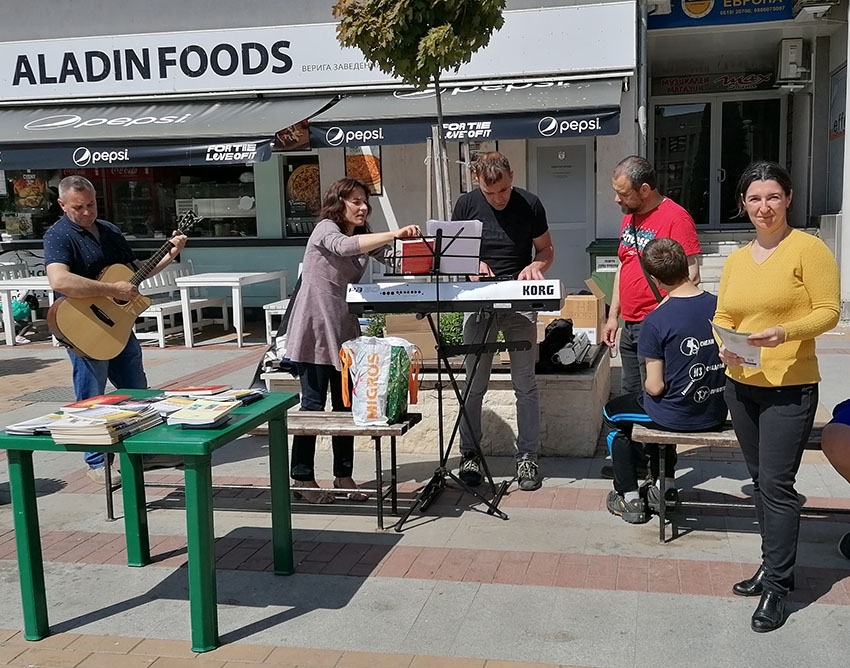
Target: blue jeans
[(516, 327), (124, 372), (316, 379)]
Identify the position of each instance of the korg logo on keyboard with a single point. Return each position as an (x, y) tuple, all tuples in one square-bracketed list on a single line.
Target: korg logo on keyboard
[(538, 290)]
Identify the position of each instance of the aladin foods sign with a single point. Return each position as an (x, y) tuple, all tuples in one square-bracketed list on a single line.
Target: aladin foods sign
[(298, 57)]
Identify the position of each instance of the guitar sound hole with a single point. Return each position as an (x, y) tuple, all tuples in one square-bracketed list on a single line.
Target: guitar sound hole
[(120, 302), (99, 313)]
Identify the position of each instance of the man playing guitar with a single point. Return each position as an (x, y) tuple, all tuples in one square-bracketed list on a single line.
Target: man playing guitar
[(77, 248)]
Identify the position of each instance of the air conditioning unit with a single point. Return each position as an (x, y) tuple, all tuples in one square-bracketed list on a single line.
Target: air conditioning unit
[(658, 7), (812, 8), (795, 61)]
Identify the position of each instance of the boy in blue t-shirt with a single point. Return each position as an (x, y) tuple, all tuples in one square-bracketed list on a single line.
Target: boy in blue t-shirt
[(684, 383)]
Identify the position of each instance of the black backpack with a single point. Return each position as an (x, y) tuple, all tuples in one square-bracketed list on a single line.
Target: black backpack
[(558, 334)]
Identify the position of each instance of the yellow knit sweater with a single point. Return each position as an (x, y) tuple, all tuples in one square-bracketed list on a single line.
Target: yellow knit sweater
[(796, 287)]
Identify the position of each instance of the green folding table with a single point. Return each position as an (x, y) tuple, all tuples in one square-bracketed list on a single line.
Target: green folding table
[(196, 446)]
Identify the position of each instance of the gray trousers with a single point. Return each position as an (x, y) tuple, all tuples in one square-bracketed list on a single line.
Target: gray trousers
[(515, 327)]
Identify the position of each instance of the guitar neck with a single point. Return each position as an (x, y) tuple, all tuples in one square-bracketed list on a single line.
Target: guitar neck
[(147, 268), (185, 223)]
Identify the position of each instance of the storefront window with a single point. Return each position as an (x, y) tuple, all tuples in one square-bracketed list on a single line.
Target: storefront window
[(303, 194), (144, 202), (27, 204)]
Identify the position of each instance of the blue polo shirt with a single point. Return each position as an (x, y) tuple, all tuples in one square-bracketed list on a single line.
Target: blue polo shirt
[(68, 243)]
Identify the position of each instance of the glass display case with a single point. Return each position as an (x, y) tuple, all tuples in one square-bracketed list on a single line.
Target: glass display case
[(228, 209)]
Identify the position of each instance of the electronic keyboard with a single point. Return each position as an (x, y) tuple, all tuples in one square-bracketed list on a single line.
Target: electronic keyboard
[(467, 296)]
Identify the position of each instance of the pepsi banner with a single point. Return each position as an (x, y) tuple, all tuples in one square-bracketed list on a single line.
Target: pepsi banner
[(95, 155), (544, 124)]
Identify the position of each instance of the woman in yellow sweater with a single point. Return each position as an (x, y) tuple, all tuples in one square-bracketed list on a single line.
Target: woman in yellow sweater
[(783, 289)]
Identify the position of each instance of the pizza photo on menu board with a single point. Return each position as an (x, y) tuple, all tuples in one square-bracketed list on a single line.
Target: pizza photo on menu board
[(364, 164), (303, 190)]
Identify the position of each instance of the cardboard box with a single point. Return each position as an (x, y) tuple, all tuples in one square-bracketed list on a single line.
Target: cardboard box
[(417, 331), (586, 311)]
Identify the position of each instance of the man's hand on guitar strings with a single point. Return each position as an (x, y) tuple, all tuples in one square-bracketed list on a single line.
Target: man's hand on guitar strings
[(178, 241)]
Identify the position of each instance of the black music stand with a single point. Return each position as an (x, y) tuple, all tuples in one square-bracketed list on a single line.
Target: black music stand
[(442, 473)]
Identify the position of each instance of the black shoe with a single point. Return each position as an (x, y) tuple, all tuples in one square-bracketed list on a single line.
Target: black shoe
[(470, 470), (770, 613), (751, 586), (653, 499), (528, 475), (754, 586), (633, 512), (844, 546)]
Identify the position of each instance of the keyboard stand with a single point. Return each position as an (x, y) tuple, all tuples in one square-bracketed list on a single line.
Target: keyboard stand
[(442, 473)]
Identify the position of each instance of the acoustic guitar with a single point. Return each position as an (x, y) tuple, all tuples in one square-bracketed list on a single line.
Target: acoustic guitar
[(98, 328)]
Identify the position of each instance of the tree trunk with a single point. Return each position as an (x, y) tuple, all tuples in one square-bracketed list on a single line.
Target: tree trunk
[(441, 157)]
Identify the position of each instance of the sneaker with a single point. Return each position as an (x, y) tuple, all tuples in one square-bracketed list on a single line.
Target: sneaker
[(653, 499), (844, 546), (528, 475), (151, 462), (98, 475), (633, 512), (470, 470), (21, 340)]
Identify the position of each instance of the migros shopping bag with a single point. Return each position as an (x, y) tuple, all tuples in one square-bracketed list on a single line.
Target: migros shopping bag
[(382, 370)]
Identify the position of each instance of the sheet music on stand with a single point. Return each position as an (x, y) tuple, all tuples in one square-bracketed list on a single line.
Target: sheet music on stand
[(458, 255)]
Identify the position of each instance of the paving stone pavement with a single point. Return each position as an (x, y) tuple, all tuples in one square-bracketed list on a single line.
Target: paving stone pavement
[(561, 583)]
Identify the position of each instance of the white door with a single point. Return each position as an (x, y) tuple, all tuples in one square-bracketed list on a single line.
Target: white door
[(560, 173)]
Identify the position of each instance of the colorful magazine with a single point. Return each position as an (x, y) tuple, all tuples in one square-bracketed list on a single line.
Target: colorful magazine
[(91, 402)]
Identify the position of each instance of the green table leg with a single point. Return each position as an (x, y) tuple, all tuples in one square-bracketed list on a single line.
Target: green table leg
[(201, 549), (284, 559), (28, 542), (135, 511)]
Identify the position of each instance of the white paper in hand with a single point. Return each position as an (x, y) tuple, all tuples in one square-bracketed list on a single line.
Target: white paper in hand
[(736, 343)]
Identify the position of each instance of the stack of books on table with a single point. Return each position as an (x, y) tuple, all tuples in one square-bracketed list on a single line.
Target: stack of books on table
[(203, 414), (102, 425), (38, 425)]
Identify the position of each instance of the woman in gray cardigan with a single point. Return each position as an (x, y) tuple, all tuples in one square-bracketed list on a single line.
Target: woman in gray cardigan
[(337, 254)]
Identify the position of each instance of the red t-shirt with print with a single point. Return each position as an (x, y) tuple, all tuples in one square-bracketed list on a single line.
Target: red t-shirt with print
[(668, 219)]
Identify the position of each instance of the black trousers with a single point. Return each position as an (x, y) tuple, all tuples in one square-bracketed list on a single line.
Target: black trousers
[(316, 379), (773, 426), (621, 414)]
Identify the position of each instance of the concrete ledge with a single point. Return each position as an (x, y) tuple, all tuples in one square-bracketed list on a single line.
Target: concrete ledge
[(570, 407)]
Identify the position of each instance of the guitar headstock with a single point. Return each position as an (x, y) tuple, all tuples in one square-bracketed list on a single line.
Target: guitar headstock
[(187, 220)]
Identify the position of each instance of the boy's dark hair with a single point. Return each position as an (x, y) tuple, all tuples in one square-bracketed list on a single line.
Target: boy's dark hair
[(665, 259)]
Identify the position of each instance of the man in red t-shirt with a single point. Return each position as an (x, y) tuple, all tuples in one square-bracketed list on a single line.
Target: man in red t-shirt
[(648, 215)]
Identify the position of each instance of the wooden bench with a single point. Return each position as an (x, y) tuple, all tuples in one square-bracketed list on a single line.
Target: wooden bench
[(720, 438), (315, 423), (162, 288)]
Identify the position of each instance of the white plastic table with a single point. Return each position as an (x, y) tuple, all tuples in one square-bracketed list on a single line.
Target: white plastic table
[(235, 280), (12, 285)]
